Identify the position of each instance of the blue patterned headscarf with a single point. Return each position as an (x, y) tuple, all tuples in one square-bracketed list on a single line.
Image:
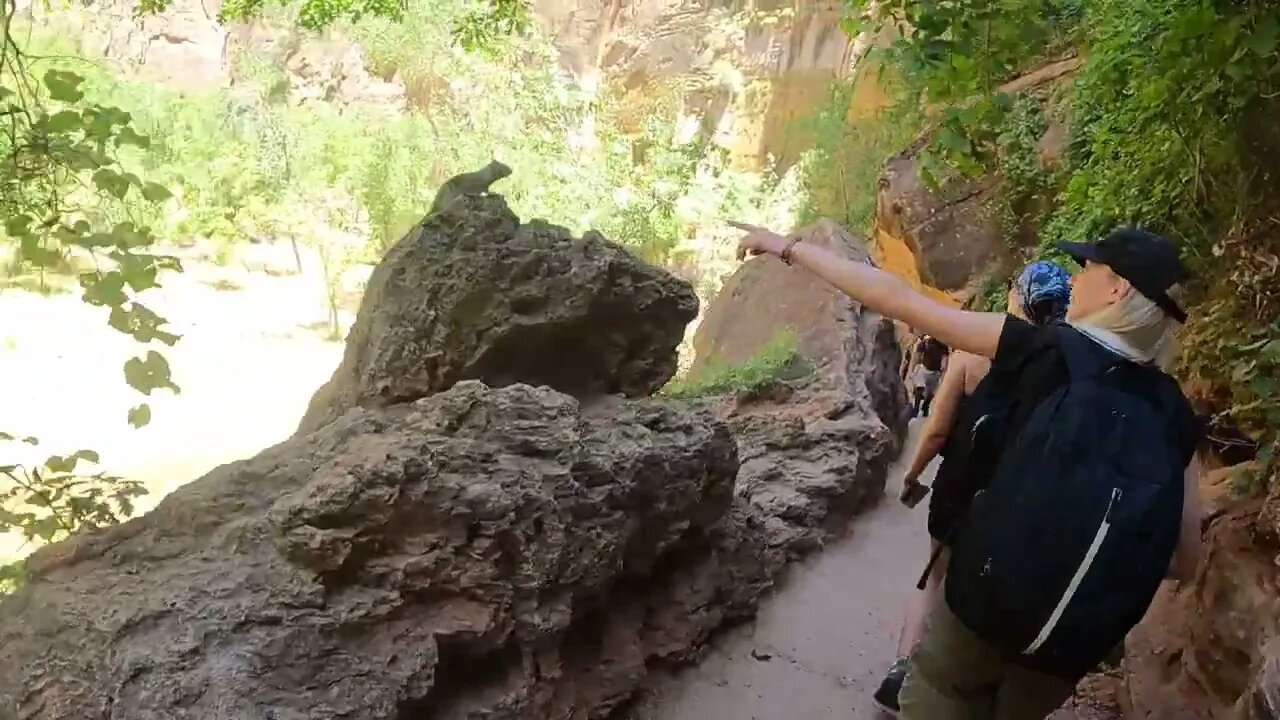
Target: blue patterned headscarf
[(1045, 289)]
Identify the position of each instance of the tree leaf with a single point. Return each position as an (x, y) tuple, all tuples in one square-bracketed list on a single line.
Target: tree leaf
[(95, 240), (18, 225), (140, 416), (1243, 371), (111, 182), (1263, 387), (64, 122), (139, 271), (141, 324), (63, 86), (1262, 41), (46, 528), (127, 136), (156, 193), (149, 373), (128, 236), (60, 464), (104, 289)]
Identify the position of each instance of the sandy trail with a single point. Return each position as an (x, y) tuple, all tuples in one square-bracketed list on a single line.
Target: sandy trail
[(822, 643)]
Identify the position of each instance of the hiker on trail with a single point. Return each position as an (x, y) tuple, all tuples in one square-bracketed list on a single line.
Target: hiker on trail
[(1039, 294), (924, 373), (1093, 497)]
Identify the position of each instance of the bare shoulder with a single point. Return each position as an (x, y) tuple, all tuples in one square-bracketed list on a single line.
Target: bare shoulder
[(975, 368)]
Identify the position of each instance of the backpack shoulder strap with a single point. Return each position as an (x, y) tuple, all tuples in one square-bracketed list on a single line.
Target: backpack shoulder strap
[(1084, 358)]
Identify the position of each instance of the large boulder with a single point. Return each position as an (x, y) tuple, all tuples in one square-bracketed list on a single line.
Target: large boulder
[(471, 293), (959, 232), (502, 553), (434, 546), (816, 446), (954, 232)]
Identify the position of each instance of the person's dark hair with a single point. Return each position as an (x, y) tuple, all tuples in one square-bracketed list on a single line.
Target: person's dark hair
[(1046, 310)]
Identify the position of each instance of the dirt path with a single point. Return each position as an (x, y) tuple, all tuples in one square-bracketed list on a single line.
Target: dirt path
[(820, 646)]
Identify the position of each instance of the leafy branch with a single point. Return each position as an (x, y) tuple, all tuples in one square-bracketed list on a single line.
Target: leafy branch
[(61, 162)]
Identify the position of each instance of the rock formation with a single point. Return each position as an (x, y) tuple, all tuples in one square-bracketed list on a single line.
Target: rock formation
[(1211, 648), (432, 545), (815, 448), (470, 293), (956, 234), (476, 553), (749, 72)]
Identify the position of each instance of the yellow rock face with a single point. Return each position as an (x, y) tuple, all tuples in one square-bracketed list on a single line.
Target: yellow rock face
[(894, 254)]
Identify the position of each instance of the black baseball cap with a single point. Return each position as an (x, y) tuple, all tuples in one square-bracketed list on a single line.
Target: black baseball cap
[(1148, 261)]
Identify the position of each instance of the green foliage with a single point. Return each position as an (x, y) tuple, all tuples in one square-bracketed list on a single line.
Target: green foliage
[(62, 172), (1157, 115), (251, 165), (481, 27), (719, 378), (1156, 112), (56, 499), (1016, 140), (993, 294), (65, 190), (482, 23), (958, 52), (955, 56), (849, 153), (1233, 342)]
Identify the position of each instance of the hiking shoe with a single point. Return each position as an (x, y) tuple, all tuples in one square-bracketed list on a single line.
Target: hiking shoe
[(886, 698)]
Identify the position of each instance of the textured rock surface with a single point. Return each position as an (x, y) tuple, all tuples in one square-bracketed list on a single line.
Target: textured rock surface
[(1261, 701), (431, 546), (1210, 649), (956, 234), (472, 294), (183, 46), (750, 72), (480, 553), (814, 449)]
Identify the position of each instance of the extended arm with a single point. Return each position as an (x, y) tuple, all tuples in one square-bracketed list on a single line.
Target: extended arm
[(885, 293)]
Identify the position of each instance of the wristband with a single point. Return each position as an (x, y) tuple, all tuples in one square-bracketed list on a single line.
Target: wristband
[(786, 254)]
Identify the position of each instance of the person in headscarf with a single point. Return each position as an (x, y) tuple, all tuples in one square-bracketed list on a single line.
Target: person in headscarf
[(1039, 295)]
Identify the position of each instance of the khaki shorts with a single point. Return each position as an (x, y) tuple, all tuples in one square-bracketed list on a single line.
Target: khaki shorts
[(955, 675)]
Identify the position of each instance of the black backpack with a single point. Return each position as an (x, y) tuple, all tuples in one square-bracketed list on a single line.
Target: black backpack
[(1064, 550)]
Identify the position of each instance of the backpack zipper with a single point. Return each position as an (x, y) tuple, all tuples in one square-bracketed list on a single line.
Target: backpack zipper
[(1089, 556)]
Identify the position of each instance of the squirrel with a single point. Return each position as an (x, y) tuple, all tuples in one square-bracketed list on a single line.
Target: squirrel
[(472, 183)]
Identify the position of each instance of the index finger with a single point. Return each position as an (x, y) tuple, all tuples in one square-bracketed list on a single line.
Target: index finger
[(745, 227)]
